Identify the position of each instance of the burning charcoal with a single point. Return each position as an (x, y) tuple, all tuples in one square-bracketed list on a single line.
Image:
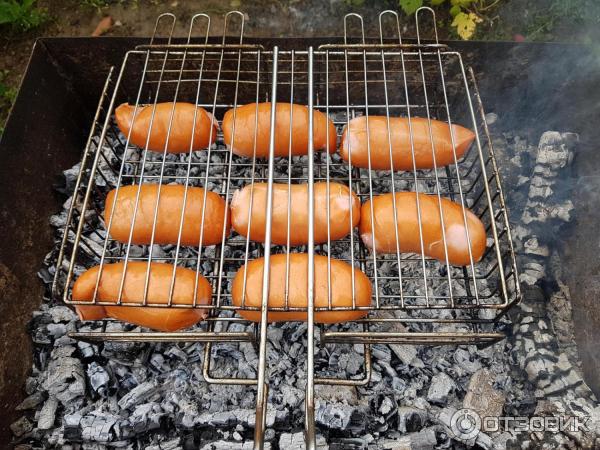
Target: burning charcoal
[(86, 349), (47, 414), (173, 444), (533, 247), (138, 394), (98, 427), (31, 385), (98, 378), (381, 352), (158, 362), (293, 441), (146, 417), (21, 427), (440, 388), (56, 330), (244, 417), (338, 416), (62, 314), (465, 361), (292, 396), (337, 394), (411, 419), (421, 440), (175, 352), (228, 445), (65, 379), (357, 443), (481, 397), (31, 401)]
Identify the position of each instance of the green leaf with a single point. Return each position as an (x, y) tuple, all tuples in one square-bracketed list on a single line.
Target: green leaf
[(21, 14), (465, 24), (455, 10), (462, 3), (9, 11), (436, 2), (410, 6)]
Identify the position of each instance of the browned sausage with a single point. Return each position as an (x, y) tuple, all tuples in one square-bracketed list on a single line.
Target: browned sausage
[(157, 318), (354, 143), (245, 126), (341, 292), (408, 227), (339, 212), (168, 220), (182, 126)]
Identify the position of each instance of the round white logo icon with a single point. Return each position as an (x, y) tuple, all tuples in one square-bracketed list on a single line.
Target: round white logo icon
[(465, 424)]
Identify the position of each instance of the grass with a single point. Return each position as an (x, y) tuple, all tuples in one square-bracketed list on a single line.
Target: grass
[(21, 15)]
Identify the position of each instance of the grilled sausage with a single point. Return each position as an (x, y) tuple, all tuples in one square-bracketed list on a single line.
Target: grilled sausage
[(339, 212), (157, 317), (354, 143), (341, 292), (168, 220), (246, 124), (182, 126), (408, 227)]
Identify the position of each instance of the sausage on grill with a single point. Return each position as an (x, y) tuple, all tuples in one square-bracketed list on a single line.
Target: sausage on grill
[(354, 143), (155, 317), (341, 292), (168, 220), (182, 126), (341, 200), (242, 142), (408, 227)]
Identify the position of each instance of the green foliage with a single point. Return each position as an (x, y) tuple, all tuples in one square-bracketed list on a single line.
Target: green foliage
[(410, 6), (466, 14), (22, 15)]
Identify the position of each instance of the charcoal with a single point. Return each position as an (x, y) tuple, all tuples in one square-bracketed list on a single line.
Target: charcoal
[(440, 387), (481, 396), (146, 417), (420, 440), (244, 417), (98, 427), (357, 443), (32, 401), (62, 314), (98, 378), (126, 395), (340, 417), (47, 414), (229, 445), (65, 379), (411, 419), (138, 394), (172, 444), (21, 427), (86, 349)]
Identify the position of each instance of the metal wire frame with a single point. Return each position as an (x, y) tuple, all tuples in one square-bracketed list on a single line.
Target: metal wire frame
[(365, 74)]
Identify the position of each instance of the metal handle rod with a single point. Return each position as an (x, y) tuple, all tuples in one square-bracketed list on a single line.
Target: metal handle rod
[(86, 154), (261, 400), (309, 420)]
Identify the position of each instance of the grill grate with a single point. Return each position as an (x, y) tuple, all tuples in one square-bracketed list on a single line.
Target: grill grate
[(434, 302)]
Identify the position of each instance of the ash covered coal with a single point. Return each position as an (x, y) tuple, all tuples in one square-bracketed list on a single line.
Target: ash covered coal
[(154, 396)]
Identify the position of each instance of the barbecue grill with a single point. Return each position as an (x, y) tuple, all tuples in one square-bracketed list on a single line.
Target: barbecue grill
[(416, 299)]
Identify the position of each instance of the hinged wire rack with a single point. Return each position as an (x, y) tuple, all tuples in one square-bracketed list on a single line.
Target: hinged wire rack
[(416, 300)]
